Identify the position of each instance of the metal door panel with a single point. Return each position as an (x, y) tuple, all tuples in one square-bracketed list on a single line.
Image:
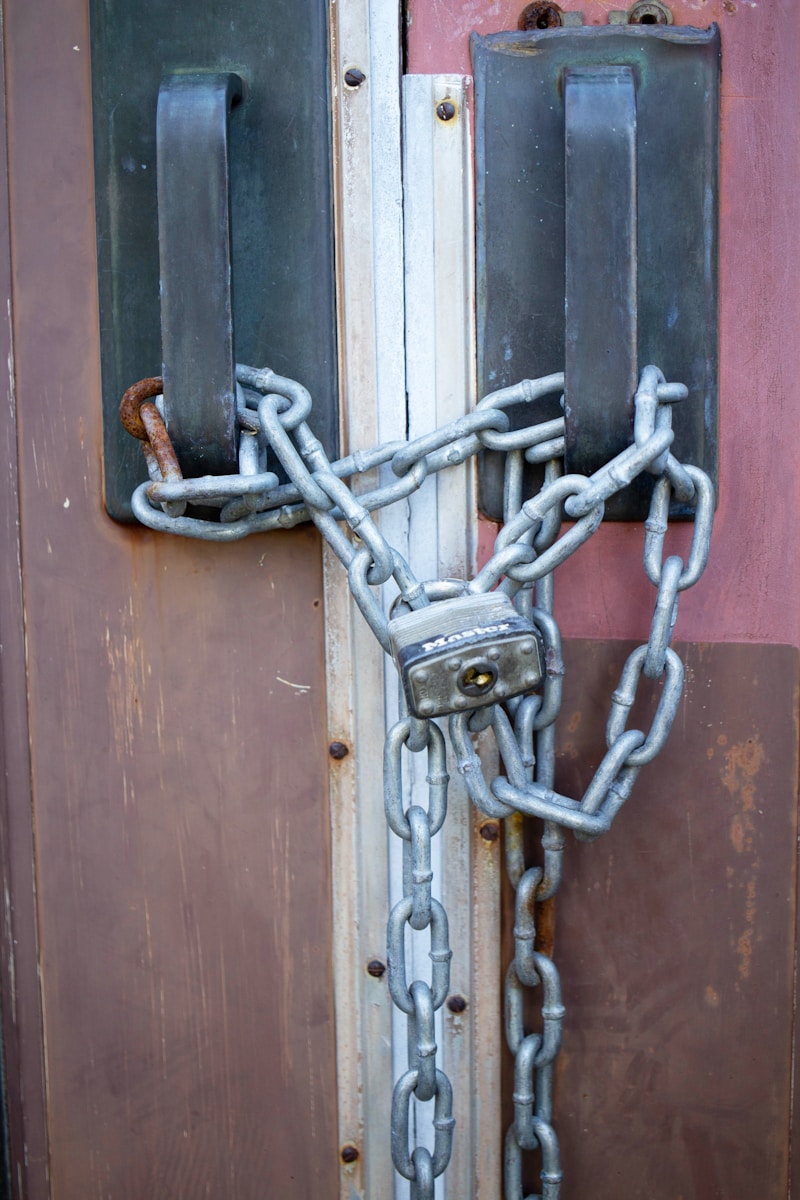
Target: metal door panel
[(677, 959), (178, 753), (753, 574), (675, 938)]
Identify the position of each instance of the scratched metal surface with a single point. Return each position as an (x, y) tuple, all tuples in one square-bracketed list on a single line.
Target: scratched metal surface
[(178, 756), (675, 937)]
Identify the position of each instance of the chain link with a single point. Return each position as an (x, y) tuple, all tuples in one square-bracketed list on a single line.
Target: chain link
[(418, 911), (273, 412)]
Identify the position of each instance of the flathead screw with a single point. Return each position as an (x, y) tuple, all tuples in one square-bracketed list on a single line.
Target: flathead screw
[(445, 111)]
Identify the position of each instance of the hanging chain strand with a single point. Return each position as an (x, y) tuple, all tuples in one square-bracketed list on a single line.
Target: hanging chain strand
[(534, 1053), (273, 412), (418, 911)]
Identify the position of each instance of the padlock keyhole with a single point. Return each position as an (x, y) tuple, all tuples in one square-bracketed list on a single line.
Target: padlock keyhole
[(477, 678)]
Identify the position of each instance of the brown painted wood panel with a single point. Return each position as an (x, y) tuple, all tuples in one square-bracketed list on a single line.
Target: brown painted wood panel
[(178, 753), (676, 939), (23, 1047)]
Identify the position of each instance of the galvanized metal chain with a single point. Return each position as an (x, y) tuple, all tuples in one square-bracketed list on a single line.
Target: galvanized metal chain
[(418, 911), (273, 414)]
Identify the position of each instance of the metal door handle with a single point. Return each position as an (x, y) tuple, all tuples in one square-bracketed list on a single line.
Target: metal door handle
[(597, 182), (171, 146), (194, 245), (600, 351)]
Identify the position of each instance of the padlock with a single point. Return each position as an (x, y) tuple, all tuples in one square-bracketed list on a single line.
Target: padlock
[(465, 653)]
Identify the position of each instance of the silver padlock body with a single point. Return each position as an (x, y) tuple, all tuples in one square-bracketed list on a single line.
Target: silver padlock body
[(465, 653)]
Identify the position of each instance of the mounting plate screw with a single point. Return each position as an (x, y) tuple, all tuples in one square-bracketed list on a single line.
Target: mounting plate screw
[(489, 831), (643, 12), (540, 16), (456, 1004), (376, 968), (445, 111), (349, 1153), (338, 750), (354, 77)]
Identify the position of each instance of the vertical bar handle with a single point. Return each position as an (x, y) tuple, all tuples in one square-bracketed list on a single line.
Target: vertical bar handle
[(194, 243), (600, 362)]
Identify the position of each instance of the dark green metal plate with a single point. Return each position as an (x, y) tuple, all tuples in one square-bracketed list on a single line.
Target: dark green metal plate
[(520, 213), (281, 200)]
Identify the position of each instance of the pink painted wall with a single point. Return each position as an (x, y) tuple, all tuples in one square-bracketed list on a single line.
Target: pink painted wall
[(750, 589)]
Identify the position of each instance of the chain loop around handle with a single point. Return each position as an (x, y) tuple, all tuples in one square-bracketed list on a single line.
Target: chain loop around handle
[(273, 413)]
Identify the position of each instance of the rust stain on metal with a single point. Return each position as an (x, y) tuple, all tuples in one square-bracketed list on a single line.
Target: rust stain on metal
[(742, 764), (711, 996), (574, 721), (745, 942), (743, 761), (569, 749), (546, 927)]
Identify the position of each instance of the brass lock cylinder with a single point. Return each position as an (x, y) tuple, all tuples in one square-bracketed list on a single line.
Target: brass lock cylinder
[(465, 653)]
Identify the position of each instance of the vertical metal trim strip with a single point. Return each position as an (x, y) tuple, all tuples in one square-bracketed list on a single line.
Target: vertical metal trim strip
[(369, 256), (434, 228), (440, 372)]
